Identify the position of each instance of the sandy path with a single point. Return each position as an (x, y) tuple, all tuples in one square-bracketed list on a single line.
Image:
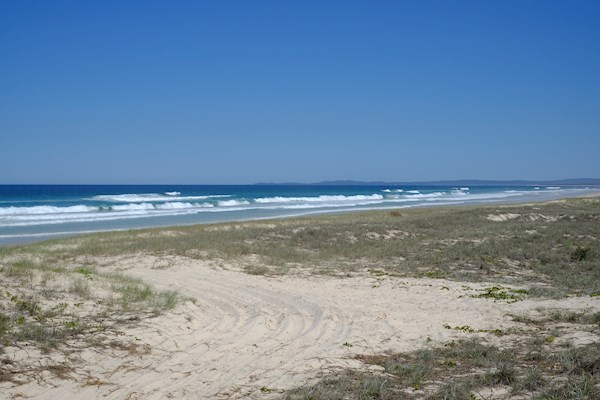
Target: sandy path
[(246, 332)]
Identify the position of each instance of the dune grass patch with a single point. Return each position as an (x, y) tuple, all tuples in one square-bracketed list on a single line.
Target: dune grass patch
[(50, 305), (469, 369), (533, 361), (550, 247)]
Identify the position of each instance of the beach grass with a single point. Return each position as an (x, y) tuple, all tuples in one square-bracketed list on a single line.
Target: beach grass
[(528, 363), (48, 306), (551, 248)]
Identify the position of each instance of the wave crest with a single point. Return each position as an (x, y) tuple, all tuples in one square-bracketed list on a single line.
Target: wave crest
[(152, 197), (318, 199), (41, 210)]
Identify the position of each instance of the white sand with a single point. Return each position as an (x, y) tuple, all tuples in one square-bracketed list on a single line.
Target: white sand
[(246, 332)]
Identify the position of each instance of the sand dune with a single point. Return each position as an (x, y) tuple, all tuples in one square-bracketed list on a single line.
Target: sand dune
[(248, 332)]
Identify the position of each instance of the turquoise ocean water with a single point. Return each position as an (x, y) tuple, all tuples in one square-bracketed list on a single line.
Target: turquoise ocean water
[(36, 212)]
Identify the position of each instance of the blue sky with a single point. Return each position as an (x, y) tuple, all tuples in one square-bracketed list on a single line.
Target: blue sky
[(247, 91)]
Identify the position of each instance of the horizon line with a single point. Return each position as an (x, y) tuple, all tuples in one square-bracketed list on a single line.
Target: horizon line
[(564, 181)]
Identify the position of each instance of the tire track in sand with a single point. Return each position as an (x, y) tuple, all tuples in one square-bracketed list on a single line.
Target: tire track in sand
[(245, 324), (248, 331), (245, 332)]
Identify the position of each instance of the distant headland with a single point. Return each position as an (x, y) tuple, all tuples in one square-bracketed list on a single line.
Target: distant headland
[(460, 182)]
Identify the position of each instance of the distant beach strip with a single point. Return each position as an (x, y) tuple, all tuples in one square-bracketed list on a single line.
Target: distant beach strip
[(31, 213)]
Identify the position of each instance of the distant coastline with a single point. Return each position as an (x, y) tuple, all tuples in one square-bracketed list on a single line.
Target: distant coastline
[(458, 182)]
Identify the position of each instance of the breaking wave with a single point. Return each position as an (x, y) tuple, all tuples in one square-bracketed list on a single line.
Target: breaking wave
[(40, 215), (232, 203), (147, 205), (149, 197), (41, 210), (318, 199)]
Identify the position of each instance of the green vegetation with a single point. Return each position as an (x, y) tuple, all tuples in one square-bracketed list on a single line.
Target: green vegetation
[(59, 306), (468, 329), (467, 369), (552, 247), (502, 293)]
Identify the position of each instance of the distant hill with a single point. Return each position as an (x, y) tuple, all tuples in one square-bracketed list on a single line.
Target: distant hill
[(461, 182)]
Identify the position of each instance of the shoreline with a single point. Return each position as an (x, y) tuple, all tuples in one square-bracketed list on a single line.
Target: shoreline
[(25, 239)]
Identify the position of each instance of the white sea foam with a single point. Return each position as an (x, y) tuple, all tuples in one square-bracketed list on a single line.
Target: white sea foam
[(318, 199), (232, 203), (177, 205), (172, 193), (38, 215), (45, 210), (42, 215), (499, 195), (149, 197), (419, 195), (553, 187), (453, 195), (173, 205), (75, 218), (48, 234), (133, 207), (460, 192)]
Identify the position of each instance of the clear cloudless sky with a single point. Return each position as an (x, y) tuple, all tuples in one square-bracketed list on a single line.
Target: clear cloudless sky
[(298, 91)]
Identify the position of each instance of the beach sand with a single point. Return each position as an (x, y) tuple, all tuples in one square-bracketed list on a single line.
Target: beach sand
[(244, 332)]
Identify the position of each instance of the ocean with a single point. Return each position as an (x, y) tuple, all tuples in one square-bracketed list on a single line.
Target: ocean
[(36, 212)]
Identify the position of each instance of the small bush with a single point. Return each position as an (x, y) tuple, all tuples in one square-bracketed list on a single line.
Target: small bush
[(580, 253), (43, 336), (532, 380), (454, 390), (584, 360), (574, 389), (4, 323), (504, 374), (81, 288)]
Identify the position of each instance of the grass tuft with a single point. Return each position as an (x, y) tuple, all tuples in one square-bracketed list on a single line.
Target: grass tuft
[(462, 369)]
